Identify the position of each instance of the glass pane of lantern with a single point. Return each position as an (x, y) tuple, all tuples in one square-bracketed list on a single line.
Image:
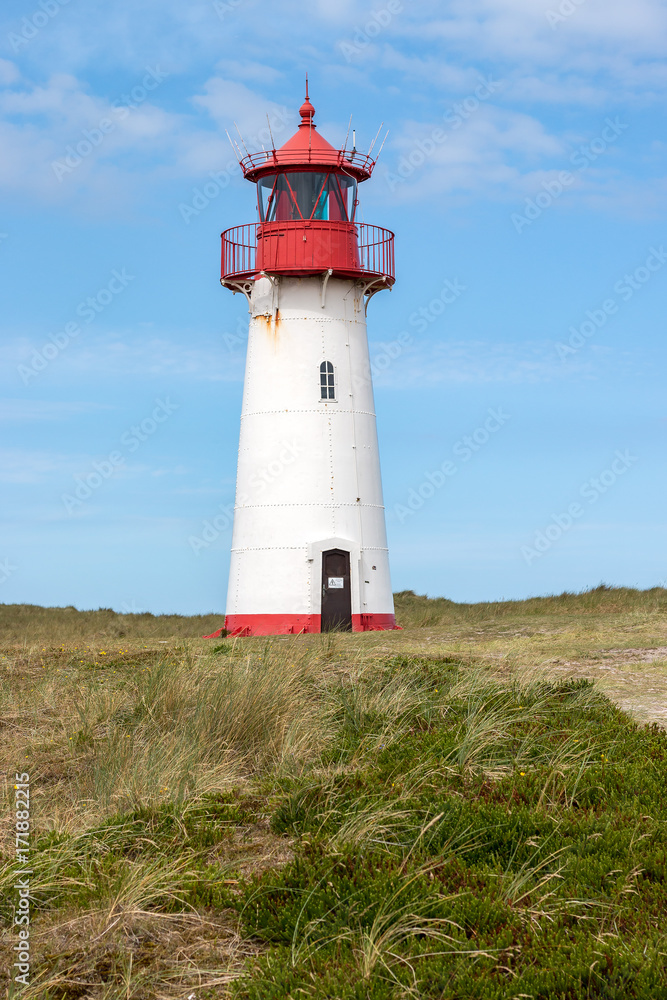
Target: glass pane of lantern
[(307, 195), (348, 188), (283, 208), (336, 189), (311, 199), (264, 188), (276, 202)]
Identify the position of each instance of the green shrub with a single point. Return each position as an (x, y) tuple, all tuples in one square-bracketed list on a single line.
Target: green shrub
[(513, 846)]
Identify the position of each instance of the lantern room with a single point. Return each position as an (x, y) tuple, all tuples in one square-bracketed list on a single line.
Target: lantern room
[(307, 204), (305, 196)]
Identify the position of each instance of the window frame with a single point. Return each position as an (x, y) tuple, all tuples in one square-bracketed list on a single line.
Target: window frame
[(328, 373), (331, 186)]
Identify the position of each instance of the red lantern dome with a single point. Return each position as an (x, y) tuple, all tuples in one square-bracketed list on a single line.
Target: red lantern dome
[(307, 199)]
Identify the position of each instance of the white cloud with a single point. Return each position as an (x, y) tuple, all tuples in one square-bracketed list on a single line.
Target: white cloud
[(115, 355), (44, 127), (507, 156), (257, 72), (57, 469), (478, 361), (9, 72), (490, 152), (228, 101), (554, 88), (437, 70), (33, 467), (35, 410), (520, 29), (44, 123), (157, 356), (604, 51)]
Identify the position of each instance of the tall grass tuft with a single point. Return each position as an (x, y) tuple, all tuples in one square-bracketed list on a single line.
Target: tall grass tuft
[(192, 728)]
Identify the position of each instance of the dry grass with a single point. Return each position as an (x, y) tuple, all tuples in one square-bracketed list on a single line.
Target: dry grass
[(115, 714), (108, 954), (29, 623), (101, 736)]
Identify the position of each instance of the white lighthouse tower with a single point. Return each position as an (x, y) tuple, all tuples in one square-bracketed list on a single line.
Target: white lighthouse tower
[(309, 549)]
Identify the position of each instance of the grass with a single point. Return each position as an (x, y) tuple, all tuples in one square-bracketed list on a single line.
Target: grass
[(27, 623), (420, 611), (450, 811)]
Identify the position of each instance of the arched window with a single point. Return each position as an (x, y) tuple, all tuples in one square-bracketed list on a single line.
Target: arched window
[(327, 384)]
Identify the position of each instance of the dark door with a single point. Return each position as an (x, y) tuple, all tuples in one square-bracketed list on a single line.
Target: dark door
[(336, 596)]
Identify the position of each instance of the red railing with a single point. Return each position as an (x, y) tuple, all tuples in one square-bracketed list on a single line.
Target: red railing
[(278, 159), (239, 247), (305, 248), (376, 250)]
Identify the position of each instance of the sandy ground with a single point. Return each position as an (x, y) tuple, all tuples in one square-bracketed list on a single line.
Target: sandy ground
[(636, 679)]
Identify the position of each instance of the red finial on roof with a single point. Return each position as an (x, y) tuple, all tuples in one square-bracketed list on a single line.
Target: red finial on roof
[(307, 110)]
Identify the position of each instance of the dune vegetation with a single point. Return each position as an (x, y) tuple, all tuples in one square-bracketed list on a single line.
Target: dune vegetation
[(471, 807)]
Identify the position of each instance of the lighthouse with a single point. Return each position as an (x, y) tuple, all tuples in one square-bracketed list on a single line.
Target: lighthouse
[(309, 546)]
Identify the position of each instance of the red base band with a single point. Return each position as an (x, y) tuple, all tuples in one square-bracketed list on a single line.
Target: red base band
[(297, 624)]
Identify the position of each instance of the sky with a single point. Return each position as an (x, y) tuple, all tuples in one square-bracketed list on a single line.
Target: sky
[(519, 360)]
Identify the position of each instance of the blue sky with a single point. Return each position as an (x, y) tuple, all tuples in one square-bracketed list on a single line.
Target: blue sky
[(521, 350)]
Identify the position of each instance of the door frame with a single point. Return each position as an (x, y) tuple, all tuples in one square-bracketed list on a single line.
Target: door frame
[(345, 620), (315, 550)]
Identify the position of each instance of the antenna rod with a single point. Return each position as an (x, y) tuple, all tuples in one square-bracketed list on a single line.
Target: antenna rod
[(307, 98), (268, 122), (381, 147), (236, 150), (347, 133), (375, 140), (241, 137)]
